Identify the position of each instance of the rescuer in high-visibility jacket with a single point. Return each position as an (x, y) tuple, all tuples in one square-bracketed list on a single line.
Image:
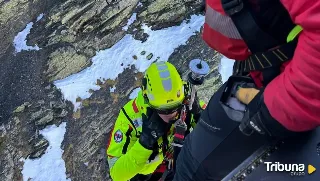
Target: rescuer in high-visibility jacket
[(140, 143)]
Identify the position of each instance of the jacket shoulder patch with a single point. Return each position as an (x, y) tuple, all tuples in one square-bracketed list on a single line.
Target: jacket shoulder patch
[(118, 136)]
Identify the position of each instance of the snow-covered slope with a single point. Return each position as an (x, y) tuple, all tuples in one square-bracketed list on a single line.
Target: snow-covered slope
[(50, 166), (109, 63)]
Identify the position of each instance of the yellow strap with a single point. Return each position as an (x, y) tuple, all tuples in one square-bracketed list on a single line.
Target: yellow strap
[(294, 32)]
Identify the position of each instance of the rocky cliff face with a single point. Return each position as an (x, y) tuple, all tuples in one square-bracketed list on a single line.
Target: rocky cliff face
[(75, 30), (20, 138), (69, 35), (15, 14)]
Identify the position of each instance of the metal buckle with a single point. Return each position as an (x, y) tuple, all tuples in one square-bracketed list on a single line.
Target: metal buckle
[(232, 7)]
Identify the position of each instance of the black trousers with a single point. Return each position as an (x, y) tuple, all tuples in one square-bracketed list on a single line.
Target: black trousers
[(215, 147)]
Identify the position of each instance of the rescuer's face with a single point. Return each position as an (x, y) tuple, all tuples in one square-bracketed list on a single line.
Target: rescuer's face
[(167, 117)]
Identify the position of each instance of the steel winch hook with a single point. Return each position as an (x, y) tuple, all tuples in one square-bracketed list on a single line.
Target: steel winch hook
[(199, 69)]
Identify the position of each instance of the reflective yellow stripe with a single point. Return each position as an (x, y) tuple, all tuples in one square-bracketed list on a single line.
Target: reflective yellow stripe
[(294, 32)]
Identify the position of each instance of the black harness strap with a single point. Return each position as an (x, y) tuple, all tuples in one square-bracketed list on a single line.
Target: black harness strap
[(125, 146), (268, 62), (271, 58), (165, 144), (247, 26), (130, 120), (268, 52)]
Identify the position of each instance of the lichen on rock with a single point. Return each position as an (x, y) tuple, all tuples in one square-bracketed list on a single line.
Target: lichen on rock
[(22, 107), (167, 12), (45, 120), (40, 147), (64, 62)]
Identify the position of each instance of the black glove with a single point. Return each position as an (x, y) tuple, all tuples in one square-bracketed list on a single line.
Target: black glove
[(153, 127), (196, 110), (257, 118)]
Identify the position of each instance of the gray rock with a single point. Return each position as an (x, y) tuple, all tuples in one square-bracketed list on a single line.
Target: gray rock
[(22, 107), (161, 13), (14, 16), (57, 105), (65, 61), (2, 140), (51, 95), (48, 87), (20, 138), (14, 145), (39, 104), (37, 115), (39, 148), (149, 57), (63, 114), (143, 53), (45, 120), (88, 27)]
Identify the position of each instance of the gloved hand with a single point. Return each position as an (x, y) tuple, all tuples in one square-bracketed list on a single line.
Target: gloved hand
[(257, 116), (245, 95), (153, 127), (196, 109)]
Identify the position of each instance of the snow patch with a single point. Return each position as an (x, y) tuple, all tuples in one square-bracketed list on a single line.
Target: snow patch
[(50, 166), (226, 68), (109, 63), (86, 164), (140, 4), (112, 89), (130, 21), (20, 40), (134, 93), (40, 17)]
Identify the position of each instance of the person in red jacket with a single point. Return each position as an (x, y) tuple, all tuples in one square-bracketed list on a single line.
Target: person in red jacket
[(276, 43)]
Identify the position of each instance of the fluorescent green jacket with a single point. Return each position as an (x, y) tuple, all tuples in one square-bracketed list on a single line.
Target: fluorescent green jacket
[(126, 156)]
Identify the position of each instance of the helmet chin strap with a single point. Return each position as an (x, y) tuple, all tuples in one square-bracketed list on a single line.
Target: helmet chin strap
[(175, 119), (181, 116)]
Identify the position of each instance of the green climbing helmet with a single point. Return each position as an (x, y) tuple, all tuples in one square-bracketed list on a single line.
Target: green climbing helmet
[(163, 88)]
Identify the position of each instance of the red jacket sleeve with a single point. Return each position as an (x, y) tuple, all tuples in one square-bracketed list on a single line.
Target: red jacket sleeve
[(293, 98)]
